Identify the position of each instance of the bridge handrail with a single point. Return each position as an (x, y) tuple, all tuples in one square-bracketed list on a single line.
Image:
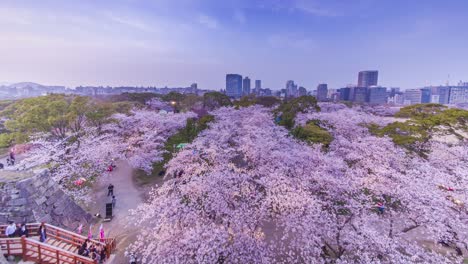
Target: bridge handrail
[(51, 251)]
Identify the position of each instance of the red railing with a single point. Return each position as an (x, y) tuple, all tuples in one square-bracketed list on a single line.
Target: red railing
[(16, 247), (40, 252)]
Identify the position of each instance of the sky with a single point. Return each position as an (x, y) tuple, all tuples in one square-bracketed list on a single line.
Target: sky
[(177, 42)]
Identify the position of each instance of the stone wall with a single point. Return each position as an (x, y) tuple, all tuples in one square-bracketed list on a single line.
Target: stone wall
[(38, 199)]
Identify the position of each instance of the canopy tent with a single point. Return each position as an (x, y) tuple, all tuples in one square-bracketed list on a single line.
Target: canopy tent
[(181, 145)]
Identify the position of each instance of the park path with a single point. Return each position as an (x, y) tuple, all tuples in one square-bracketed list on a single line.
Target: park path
[(128, 197)]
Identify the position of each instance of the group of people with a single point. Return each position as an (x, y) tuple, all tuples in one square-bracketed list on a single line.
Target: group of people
[(14, 230), (10, 160), (91, 250)]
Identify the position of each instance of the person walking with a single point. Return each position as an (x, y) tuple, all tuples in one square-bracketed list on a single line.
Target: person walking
[(42, 233), (113, 201), (110, 190), (11, 229), (23, 230)]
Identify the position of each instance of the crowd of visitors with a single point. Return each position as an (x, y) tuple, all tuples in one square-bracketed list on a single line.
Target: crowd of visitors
[(16, 230), (91, 250)]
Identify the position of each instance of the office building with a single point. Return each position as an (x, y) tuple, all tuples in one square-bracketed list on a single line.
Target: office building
[(291, 89), (412, 96), (322, 92), (258, 86), (458, 95), (302, 91), (360, 95), (368, 78), (246, 86), (234, 85), (194, 88), (426, 95), (345, 94), (377, 95)]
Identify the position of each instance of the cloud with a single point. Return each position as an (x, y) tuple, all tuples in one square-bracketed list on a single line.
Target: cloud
[(291, 41), (311, 7), (208, 21), (15, 16), (131, 22), (314, 10), (239, 16)]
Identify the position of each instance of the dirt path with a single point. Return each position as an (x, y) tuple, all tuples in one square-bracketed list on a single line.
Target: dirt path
[(128, 197)]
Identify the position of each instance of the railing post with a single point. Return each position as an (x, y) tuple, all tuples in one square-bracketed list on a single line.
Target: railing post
[(74, 260), (39, 253), (23, 247), (58, 256)]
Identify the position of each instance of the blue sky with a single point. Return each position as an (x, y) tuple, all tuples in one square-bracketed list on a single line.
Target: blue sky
[(175, 43)]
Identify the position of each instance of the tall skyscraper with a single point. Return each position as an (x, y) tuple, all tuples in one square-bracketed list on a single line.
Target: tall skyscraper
[(291, 89), (258, 85), (246, 86), (234, 85), (368, 78), (322, 92)]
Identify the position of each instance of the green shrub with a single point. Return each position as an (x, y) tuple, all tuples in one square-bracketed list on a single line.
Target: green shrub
[(313, 133)]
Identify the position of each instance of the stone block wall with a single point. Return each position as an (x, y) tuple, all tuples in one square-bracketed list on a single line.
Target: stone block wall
[(38, 199)]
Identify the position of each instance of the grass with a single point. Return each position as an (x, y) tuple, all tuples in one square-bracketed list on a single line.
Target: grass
[(186, 135)]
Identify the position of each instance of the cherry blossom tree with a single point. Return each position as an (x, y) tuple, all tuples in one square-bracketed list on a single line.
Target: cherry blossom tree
[(138, 137), (246, 192)]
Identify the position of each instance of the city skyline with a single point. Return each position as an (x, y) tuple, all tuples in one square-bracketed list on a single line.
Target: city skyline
[(147, 43)]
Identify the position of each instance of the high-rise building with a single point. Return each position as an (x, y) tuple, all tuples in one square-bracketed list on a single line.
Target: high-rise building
[(345, 94), (258, 85), (234, 85), (360, 95), (426, 95), (194, 88), (377, 95), (458, 95), (302, 91), (322, 92), (412, 96), (368, 78), (246, 86), (291, 89)]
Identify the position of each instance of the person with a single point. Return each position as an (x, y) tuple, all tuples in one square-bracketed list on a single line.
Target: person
[(84, 249), (23, 230), (102, 253), (10, 230), (113, 201), (1, 166), (42, 233), (381, 207), (109, 169), (133, 259), (110, 190)]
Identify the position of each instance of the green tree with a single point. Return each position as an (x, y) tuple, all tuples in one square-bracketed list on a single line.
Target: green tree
[(213, 100)]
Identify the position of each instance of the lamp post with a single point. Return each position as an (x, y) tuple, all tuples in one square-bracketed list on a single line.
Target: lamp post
[(174, 105)]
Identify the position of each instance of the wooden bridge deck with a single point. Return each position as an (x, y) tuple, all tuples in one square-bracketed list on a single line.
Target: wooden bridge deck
[(61, 246)]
